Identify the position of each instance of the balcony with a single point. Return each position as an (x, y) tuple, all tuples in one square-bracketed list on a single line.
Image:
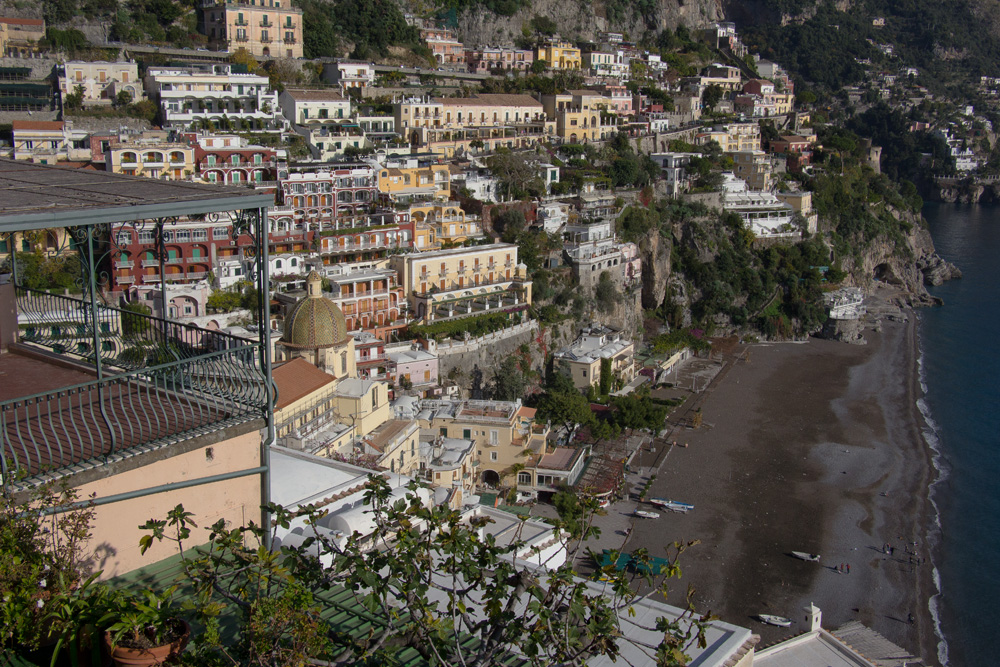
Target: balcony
[(146, 263), (123, 264), (124, 280), (266, 24), (161, 383), (241, 22)]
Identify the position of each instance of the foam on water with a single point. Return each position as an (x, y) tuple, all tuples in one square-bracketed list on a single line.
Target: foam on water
[(933, 442)]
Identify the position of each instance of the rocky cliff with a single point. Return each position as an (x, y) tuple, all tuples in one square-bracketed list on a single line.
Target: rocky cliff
[(910, 268), (583, 19), (655, 253)]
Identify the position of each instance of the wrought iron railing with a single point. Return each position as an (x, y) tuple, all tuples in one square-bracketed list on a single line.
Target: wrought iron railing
[(92, 423), (160, 382), (127, 340)]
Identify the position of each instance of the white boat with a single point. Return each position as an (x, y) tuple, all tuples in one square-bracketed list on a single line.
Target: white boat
[(645, 514), (771, 619), (802, 555), (672, 505)]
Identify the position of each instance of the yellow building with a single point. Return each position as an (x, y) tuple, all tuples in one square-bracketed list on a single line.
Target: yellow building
[(20, 37), (169, 161), (101, 81), (754, 167), (559, 55), (409, 179), (462, 282), (580, 115), (449, 221), (504, 433), (270, 28), (49, 141), (732, 137), (582, 360), (449, 125)]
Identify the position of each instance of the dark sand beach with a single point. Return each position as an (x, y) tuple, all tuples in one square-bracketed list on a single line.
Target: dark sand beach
[(811, 447)]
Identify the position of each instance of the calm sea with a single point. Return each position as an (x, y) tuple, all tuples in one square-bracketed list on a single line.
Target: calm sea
[(960, 346)]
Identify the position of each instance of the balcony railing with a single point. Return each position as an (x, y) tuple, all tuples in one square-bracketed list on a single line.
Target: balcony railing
[(164, 382)]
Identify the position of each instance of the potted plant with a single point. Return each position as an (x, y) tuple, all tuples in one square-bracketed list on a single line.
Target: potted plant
[(144, 629), (43, 565)]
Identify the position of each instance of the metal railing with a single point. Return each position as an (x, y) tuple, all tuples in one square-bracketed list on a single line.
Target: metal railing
[(164, 382), (88, 424), (128, 340)]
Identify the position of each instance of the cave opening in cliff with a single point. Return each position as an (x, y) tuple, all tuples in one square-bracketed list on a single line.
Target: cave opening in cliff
[(884, 273)]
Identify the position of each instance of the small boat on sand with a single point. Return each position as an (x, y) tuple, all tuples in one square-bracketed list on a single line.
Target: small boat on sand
[(802, 555), (672, 505), (646, 514), (771, 619)]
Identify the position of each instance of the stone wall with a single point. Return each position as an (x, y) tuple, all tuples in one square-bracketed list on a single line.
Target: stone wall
[(487, 351)]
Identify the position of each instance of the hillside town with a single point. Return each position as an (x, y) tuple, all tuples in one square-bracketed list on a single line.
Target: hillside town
[(319, 271)]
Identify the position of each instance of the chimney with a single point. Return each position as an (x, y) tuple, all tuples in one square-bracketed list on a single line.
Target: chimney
[(814, 617)]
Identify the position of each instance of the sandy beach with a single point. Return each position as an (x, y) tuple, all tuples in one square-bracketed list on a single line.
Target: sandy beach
[(811, 447)]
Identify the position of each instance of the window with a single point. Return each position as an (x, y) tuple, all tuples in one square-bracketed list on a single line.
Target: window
[(220, 233), (493, 437), (199, 235), (183, 236), (124, 238), (494, 456), (146, 237), (524, 478)]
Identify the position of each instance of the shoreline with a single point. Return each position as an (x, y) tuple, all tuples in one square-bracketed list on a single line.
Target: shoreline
[(798, 446)]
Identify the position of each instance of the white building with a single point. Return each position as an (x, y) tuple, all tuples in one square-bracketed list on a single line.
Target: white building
[(553, 216), (965, 158), (674, 166), (762, 212), (196, 96), (349, 74), (303, 107)]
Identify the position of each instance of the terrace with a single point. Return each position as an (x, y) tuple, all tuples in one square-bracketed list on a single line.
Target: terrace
[(89, 383)]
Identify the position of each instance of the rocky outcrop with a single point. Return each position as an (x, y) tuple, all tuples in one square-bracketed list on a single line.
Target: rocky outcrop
[(626, 314), (845, 331), (583, 19), (909, 268), (654, 251)]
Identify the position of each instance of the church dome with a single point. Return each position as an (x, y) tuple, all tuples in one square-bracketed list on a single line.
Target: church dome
[(315, 321)]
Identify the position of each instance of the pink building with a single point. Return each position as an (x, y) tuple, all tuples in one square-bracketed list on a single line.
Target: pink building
[(412, 363), (446, 49)]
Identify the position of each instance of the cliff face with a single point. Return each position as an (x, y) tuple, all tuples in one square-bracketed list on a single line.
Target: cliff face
[(655, 253), (583, 19), (911, 270)]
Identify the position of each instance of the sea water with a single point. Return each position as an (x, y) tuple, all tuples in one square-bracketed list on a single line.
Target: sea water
[(960, 374)]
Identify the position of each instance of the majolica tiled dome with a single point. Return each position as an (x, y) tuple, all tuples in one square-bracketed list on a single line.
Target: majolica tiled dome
[(315, 321)]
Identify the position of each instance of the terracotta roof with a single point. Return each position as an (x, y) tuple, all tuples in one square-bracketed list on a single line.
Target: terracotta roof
[(385, 435), (37, 124), (315, 94), (526, 412), (297, 379), (491, 100), (10, 21)]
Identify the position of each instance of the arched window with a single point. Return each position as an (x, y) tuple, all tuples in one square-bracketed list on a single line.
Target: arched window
[(524, 478)]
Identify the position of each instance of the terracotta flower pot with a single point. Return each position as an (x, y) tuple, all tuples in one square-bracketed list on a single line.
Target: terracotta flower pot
[(156, 655)]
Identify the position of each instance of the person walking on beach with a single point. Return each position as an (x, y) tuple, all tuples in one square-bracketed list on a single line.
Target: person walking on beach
[(848, 568)]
